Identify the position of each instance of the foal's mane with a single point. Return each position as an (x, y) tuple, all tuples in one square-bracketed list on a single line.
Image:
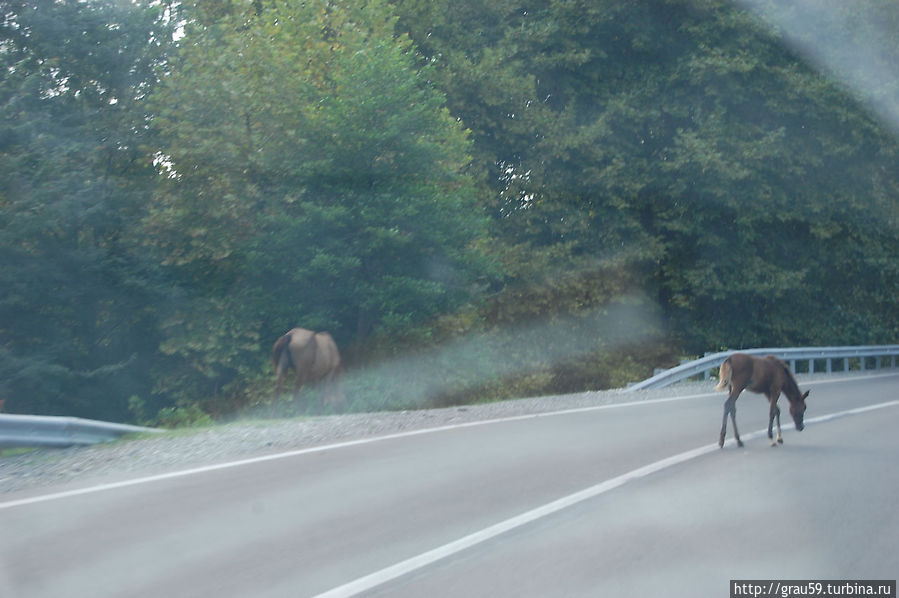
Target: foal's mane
[(790, 387)]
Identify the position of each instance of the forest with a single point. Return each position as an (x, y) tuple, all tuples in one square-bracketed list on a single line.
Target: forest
[(478, 200)]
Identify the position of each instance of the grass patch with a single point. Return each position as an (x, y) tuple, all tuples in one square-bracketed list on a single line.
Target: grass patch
[(15, 451)]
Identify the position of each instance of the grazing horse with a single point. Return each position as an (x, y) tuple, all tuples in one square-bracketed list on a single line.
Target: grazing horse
[(767, 375), (314, 358)]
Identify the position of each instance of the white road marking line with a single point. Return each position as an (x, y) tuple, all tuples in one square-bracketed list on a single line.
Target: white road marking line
[(425, 559), (317, 449), (352, 443)]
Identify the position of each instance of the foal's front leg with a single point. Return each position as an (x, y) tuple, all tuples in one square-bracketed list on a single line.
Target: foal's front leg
[(774, 414)]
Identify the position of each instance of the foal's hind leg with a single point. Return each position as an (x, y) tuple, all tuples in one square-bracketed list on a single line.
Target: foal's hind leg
[(730, 407), (733, 419)]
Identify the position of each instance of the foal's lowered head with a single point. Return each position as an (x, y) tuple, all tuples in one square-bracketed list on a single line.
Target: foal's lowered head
[(797, 410)]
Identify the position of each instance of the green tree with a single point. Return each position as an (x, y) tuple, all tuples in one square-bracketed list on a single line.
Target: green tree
[(312, 177), (76, 323), (684, 150)]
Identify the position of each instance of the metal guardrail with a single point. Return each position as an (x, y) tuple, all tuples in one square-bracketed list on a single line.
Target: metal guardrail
[(709, 364), (49, 431)]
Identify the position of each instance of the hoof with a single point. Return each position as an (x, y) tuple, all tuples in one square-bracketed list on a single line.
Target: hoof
[(740, 443), (720, 444), (780, 440)]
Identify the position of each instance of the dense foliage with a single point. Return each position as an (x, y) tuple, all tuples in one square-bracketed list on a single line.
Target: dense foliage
[(78, 318), (477, 199), (321, 180)]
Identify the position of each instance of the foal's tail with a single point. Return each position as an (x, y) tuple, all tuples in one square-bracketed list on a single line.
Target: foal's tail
[(724, 375)]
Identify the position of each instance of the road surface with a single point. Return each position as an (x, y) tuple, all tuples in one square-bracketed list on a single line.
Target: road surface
[(626, 500)]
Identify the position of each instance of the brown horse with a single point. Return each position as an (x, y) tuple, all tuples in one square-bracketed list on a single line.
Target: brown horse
[(314, 357), (767, 375)]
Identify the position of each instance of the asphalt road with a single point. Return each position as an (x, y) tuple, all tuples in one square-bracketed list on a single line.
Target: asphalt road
[(629, 500)]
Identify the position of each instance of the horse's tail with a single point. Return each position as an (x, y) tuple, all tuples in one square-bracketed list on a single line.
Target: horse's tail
[(279, 348), (724, 374)]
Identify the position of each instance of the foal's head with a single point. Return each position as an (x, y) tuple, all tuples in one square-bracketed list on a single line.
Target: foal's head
[(797, 410)]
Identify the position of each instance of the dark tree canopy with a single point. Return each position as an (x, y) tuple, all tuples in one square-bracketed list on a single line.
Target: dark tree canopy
[(76, 311)]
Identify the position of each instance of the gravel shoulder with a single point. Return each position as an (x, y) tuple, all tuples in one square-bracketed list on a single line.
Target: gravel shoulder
[(146, 455)]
